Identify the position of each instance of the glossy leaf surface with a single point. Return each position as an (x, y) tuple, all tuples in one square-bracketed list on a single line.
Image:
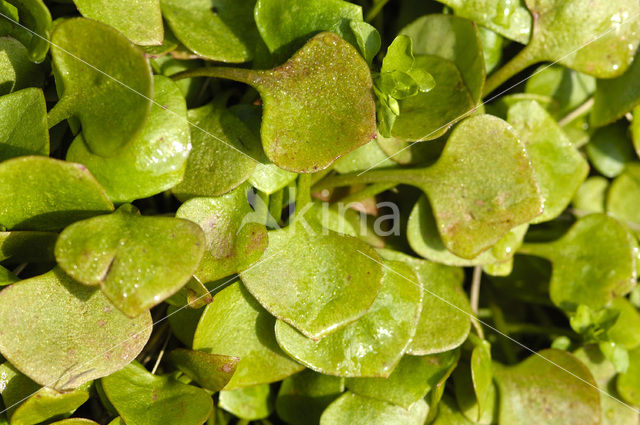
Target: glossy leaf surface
[(250, 403), (357, 410)]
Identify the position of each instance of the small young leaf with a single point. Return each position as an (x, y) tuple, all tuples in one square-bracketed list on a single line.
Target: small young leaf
[(210, 371), (78, 335), (367, 39), (24, 124), (610, 150), (590, 196), (137, 261)]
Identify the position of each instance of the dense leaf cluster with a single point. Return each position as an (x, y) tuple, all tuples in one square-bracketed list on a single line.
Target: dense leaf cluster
[(294, 212)]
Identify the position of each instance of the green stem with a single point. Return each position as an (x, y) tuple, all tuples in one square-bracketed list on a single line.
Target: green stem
[(303, 191), (275, 205), (368, 192), (61, 111), (414, 177), (520, 62), (247, 76), (576, 113), (377, 7), (543, 250)]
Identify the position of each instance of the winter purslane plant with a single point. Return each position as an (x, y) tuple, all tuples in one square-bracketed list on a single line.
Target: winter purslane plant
[(326, 212)]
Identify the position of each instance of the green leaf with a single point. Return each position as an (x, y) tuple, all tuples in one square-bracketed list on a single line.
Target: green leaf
[(509, 19), (449, 414), (593, 263), (16, 69), (27, 247), (367, 39), (76, 421), (154, 161), (183, 322), (249, 403), (24, 130), (363, 159), (6, 277), (357, 410), (409, 382), (399, 55), (233, 243), (234, 324), (559, 167), (613, 412), (478, 200), (626, 330), (622, 195), (284, 26), (628, 383), (317, 106), (590, 196), (455, 39), (140, 21), (30, 404), (535, 391), (145, 399), (34, 15), (482, 376), (220, 30), (443, 326), (92, 91), (373, 345), (137, 261), (314, 279), (210, 371), (222, 155), (492, 44), (304, 396), (77, 336), (423, 237), (610, 149), (70, 194)]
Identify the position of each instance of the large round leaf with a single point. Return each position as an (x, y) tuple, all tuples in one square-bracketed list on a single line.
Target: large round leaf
[(140, 21), (315, 279), (353, 409), (233, 240), (68, 337), (536, 391), (154, 161), (220, 30), (24, 124), (137, 261), (111, 84), (145, 399), (41, 193), (234, 324), (373, 345), (594, 262), (317, 106)]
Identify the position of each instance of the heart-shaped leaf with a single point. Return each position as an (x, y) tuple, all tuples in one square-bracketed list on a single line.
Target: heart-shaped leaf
[(353, 409), (284, 26), (423, 237), (140, 21), (535, 391), (210, 371), (220, 30), (443, 326), (16, 69), (222, 154), (93, 91), (602, 45), (373, 345), (137, 261), (315, 279), (154, 161), (30, 404), (558, 165), (613, 412), (509, 19), (234, 324), (71, 336), (304, 396), (474, 203), (35, 16), (410, 381), (610, 149), (24, 130), (249, 403), (594, 262), (145, 399), (233, 241), (317, 106), (56, 194)]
